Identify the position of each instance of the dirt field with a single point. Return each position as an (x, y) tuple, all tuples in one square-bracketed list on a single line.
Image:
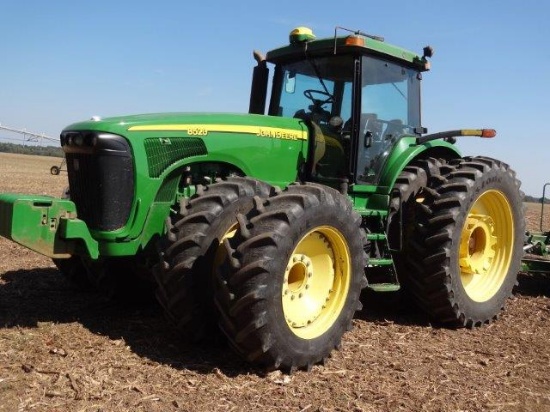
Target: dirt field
[(65, 350)]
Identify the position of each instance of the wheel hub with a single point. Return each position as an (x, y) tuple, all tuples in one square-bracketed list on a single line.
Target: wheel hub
[(308, 281), (477, 246)]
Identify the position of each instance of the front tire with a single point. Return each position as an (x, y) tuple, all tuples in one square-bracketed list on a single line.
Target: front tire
[(470, 245), (73, 269), (191, 251), (292, 278), (126, 280)]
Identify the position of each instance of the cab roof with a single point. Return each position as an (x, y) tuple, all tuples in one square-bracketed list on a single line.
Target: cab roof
[(305, 44)]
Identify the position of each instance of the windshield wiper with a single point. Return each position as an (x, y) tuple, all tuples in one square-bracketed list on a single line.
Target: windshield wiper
[(399, 90)]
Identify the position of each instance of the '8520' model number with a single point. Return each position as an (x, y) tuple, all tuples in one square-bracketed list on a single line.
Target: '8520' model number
[(197, 131)]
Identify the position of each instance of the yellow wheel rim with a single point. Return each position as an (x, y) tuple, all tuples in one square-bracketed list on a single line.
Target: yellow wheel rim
[(486, 245), (316, 282), (221, 253)]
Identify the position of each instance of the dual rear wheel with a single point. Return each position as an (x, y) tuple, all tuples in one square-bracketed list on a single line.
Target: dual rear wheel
[(463, 248)]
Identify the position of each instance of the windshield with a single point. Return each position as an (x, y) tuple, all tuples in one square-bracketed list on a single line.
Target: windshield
[(391, 92), (320, 91), (390, 108), (320, 87)]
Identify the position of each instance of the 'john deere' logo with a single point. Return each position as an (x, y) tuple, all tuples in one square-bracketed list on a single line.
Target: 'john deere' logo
[(279, 133), (165, 141)]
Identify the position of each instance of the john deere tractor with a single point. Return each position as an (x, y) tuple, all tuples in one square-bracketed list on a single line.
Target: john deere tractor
[(269, 224)]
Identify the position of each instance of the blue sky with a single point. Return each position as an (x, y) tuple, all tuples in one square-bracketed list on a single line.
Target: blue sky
[(64, 61)]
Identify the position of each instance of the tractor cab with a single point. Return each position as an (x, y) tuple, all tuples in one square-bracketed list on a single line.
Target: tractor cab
[(357, 95)]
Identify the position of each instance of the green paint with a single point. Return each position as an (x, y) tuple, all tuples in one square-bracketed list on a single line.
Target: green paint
[(167, 149), (45, 225)]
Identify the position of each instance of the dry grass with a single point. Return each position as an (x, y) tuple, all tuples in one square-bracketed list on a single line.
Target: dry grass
[(63, 349), (30, 174)]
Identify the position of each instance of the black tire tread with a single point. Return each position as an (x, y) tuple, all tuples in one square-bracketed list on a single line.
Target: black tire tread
[(241, 296), (431, 283), (182, 291)]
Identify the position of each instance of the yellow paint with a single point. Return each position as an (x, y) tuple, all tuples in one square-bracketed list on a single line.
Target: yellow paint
[(316, 282), (298, 31), (486, 246), (471, 132), (205, 129)]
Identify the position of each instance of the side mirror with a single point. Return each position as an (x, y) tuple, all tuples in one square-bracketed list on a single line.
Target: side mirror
[(290, 82)]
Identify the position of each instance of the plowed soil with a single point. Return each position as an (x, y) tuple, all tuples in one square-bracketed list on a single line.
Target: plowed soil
[(62, 349)]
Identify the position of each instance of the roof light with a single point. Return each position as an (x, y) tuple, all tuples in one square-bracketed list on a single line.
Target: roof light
[(355, 41), (301, 34)]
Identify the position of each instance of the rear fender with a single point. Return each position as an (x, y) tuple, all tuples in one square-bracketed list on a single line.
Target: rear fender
[(406, 151)]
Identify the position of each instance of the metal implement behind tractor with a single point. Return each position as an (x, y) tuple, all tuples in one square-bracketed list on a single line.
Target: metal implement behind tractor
[(537, 245), (269, 224)]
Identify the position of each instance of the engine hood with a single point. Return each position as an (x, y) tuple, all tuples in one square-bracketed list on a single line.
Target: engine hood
[(198, 124)]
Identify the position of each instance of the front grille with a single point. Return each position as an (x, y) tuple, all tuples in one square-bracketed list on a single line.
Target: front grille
[(101, 180), (162, 152)]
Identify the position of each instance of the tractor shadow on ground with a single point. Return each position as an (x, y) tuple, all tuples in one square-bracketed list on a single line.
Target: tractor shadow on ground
[(393, 307), (30, 297), (533, 284), (396, 307)]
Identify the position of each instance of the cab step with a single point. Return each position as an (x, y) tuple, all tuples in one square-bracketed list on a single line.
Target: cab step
[(376, 236), (380, 262), (384, 287)]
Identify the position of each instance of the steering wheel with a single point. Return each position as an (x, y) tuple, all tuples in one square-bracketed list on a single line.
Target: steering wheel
[(329, 98)]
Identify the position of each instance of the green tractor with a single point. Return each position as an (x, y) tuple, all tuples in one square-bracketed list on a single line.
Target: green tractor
[(269, 224)]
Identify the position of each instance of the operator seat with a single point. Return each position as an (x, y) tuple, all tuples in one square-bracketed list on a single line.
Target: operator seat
[(320, 146)]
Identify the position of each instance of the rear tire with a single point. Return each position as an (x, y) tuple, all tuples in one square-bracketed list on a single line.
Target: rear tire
[(469, 247), (409, 191), (292, 278), (190, 253), (411, 188), (54, 170)]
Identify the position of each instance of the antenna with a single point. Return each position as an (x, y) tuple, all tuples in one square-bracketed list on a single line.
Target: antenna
[(356, 32)]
